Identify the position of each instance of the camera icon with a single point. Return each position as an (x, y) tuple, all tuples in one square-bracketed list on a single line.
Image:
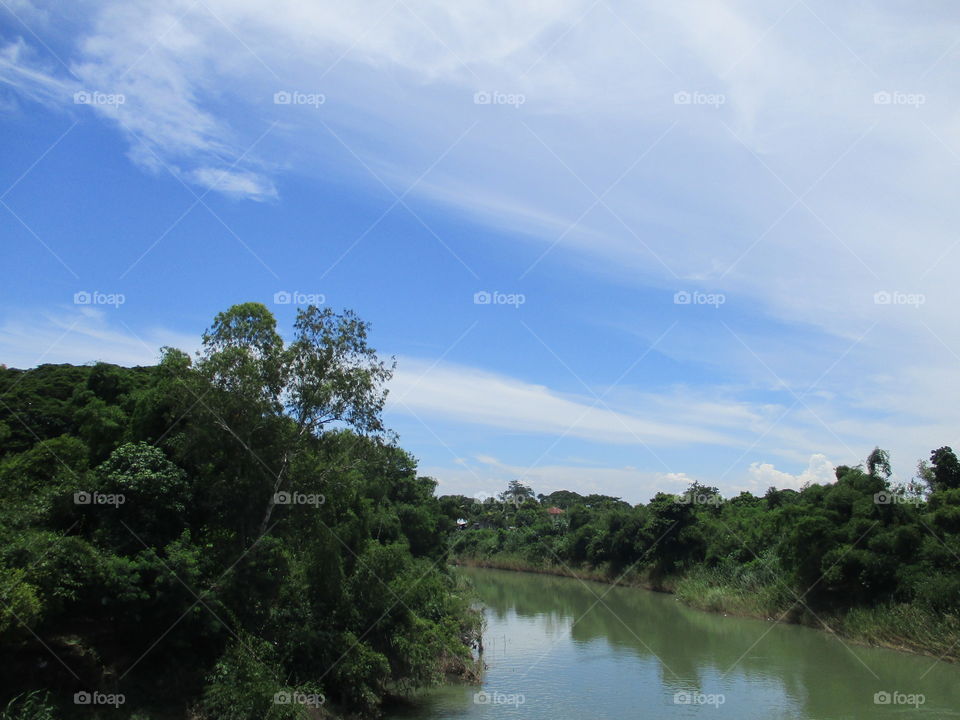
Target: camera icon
[(82, 498), (682, 98), (82, 97), (482, 298), (281, 698), (882, 298), (282, 298), (882, 98), (882, 698), (482, 97), (282, 498), (882, 498), (82, 298), (282, 98), (482, 698), (82, 698), (682, 698), (481, 497), (682, 297)]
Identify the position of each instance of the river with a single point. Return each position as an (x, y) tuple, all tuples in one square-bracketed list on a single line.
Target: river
[(558, 648)]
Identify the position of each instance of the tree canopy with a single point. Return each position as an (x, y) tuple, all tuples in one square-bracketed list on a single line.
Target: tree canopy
[(213, 531)]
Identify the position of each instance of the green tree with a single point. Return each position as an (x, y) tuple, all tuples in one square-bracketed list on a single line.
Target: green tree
[(878, 464), (517, 493), (946, 469)]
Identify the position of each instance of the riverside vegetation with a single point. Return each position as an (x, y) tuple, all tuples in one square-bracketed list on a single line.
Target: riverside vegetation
[(864, 558), (232, 536)]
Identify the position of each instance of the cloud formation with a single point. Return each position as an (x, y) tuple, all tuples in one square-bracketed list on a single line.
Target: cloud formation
[(800, 158)]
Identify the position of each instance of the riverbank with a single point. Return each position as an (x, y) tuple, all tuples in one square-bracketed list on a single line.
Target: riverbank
[(901, 627)]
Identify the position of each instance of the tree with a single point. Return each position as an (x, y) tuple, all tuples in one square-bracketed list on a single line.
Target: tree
[(517, 493), (130, 510), (154, 494), (878, 464), (272, 398), (334, 375), (946, 469)]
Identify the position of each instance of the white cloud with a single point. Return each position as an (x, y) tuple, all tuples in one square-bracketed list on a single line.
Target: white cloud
[(22, 70), (399, 82), (154, 60), (471, 395), (82, 336), (199, 81), (820, 471), (241, 184)]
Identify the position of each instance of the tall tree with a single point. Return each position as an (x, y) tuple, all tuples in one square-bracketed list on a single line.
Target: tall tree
[(878, 464), (946, 469)]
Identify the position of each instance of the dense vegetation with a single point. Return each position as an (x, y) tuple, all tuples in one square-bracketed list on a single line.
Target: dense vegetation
[(233, 536), (863, 557)]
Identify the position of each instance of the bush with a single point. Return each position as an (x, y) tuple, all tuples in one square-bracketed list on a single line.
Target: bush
[(246, 683)]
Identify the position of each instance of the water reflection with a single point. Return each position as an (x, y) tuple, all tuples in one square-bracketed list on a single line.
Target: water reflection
[(576, 648)]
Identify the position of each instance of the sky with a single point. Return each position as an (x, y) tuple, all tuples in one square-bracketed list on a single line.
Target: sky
[(614, 248)]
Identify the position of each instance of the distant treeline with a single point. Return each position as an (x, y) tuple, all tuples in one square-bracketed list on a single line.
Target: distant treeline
[(231, 536), (867, 558)]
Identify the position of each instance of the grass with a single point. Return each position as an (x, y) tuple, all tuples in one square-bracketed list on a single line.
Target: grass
[(750, 591), (904, 627)]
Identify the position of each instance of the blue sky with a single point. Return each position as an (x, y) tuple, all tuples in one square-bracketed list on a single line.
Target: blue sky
[(787, 167)]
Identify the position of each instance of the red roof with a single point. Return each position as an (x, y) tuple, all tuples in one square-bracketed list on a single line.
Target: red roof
[(554, 511)]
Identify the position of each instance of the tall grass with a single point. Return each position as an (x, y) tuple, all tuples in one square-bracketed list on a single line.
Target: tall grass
[(756, 589), (904, 627)]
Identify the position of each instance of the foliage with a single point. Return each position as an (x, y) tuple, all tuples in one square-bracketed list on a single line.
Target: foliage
[(212, 531), (34, 705), (860, 543)]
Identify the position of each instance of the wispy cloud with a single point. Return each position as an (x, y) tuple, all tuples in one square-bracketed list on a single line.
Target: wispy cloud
[(475, 396), (241, 184), (81, 336), (799, 157)]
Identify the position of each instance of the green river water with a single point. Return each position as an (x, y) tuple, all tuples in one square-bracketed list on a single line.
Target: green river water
[(559, 648)]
